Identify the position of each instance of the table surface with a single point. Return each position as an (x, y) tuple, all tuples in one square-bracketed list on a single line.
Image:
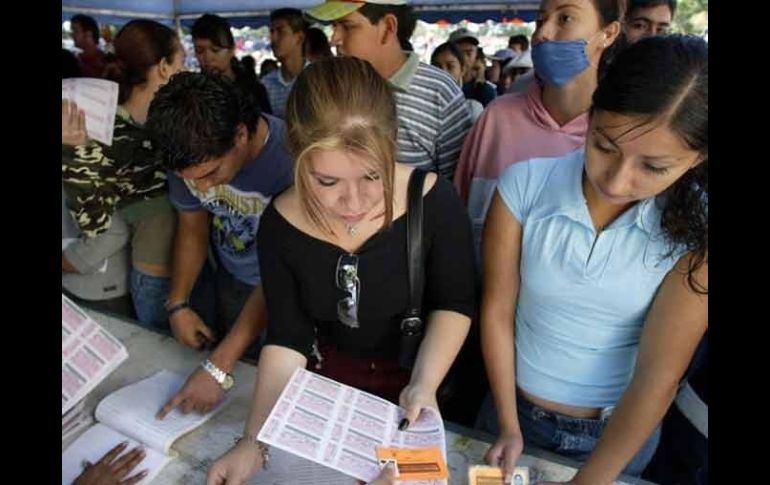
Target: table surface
[(149, 352)]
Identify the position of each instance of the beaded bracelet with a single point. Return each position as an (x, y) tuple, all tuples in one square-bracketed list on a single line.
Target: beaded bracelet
[(263, 448)]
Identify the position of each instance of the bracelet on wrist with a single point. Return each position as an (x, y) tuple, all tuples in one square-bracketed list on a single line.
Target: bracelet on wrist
[(264, 449), (171, 309)]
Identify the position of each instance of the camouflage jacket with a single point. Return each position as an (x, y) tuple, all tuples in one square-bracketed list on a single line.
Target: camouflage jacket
[(100, 179)]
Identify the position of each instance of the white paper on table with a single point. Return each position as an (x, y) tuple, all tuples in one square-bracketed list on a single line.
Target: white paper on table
[(132, 410), (286, 468), (76, 410), (128, 414), (340, 427), (88, 354), (99, 99), (95, 443), (76, 426)]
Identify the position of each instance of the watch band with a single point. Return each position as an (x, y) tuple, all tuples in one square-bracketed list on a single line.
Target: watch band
[(225, 380), (218, 374)]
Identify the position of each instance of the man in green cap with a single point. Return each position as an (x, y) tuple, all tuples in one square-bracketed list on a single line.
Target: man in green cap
[(433, 118)]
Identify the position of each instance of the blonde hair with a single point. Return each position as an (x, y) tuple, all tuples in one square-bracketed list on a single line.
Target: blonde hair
[(341, 103)]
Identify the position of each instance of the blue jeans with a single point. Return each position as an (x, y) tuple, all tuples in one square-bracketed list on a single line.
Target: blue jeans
[(149, 294), (573, 438)]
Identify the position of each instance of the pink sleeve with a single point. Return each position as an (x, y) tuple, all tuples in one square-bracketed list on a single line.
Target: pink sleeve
[(469, 157)]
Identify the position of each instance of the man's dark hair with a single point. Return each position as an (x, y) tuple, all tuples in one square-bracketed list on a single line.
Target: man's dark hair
[(292, 16), (404, 14), (316, 43), (215, 29), (88, 24), (520, 39), (195, 117), (250, 64), (267, 66), (636, 4)]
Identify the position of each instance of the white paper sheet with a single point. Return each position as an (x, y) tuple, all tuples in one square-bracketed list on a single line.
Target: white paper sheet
[(95, 443), (99, 99), (340, 427), (132, 410)]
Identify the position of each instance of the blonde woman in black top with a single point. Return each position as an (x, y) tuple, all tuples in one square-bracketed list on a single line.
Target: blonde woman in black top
[(333, 257)]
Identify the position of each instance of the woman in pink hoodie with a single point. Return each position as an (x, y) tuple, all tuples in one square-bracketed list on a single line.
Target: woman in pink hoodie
[(550, 118)]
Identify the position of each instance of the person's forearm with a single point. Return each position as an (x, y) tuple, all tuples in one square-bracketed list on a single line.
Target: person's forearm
[(639, 411), (276, 365), (250, 324), (190, 251), (446, 332), (675, 324), (498, 350)]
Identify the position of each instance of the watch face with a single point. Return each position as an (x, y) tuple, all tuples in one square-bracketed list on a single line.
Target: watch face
[(228, 382)]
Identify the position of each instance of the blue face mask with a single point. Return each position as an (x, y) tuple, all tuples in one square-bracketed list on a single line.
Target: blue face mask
[(557, 62)]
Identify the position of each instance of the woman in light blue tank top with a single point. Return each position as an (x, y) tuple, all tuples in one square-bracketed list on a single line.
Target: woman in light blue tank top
[(596, 270)]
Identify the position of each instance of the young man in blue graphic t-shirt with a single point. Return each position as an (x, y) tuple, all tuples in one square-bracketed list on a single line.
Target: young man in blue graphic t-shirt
[(226, 161)]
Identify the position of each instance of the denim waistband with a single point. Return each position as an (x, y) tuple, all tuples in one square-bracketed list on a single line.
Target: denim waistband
[(563, 421)]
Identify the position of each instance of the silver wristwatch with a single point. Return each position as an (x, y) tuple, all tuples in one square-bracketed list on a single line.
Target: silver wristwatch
[(223, 378)]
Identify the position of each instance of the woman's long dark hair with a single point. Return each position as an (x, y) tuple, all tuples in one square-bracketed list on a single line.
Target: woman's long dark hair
[(139, 45), (668, 77)]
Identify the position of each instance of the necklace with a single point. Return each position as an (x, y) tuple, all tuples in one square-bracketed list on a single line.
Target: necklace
[(352, 229)]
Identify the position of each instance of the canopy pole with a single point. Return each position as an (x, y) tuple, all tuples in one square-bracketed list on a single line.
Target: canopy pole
[(177, 19)]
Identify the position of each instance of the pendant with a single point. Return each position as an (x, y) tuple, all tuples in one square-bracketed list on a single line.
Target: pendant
[(352, 229)]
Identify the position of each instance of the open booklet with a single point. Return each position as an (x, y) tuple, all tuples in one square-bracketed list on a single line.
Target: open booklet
[(98, 98), (89, 353), (341, 427), (128, 414)]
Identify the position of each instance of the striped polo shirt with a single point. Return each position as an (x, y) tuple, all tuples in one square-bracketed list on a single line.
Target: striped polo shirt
[(432, 116), (278, 90)]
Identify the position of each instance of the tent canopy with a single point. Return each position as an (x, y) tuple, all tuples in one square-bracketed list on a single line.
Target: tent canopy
[(255, 12)]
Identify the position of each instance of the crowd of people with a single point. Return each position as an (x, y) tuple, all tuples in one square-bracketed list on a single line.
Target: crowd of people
[(563, 258)]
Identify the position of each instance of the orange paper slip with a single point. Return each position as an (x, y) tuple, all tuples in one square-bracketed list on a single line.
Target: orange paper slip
[(488, 475), (414, 463)]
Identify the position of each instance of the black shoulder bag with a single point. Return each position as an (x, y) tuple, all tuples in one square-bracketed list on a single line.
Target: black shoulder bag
[(412, 325)]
